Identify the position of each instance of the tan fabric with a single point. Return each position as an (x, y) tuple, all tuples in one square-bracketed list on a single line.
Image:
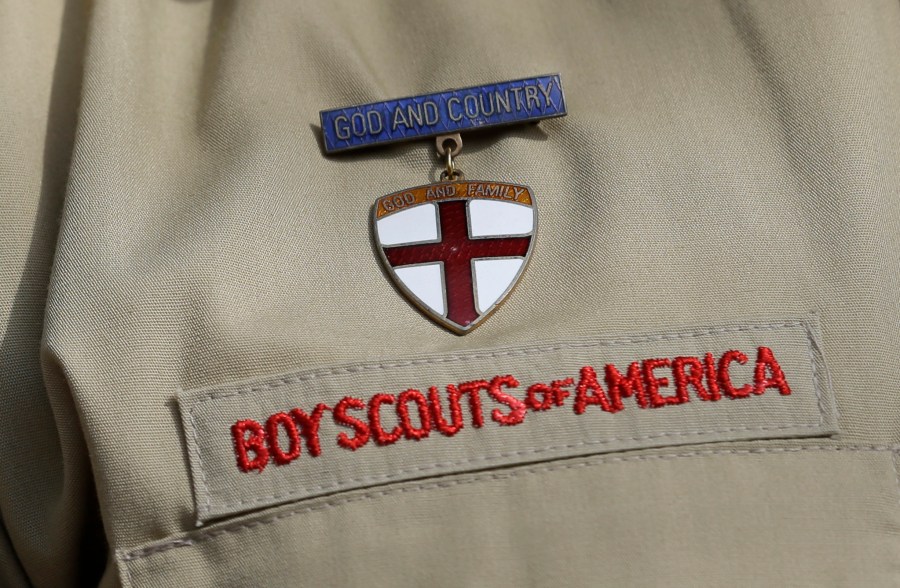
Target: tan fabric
[(711, 517), (50, 533), (722, 163)]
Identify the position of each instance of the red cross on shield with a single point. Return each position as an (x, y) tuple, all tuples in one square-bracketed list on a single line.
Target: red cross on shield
[(456, 249)]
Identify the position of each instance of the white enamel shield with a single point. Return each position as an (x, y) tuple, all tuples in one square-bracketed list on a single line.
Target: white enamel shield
[(456, 249)]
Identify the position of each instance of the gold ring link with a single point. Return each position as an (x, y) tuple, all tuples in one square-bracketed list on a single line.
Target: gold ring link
[(448, 153)]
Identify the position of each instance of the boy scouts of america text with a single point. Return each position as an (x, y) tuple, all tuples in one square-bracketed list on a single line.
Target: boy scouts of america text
[(415, 414)]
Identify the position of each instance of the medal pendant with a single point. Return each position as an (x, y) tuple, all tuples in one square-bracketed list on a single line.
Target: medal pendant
[(456, 248)]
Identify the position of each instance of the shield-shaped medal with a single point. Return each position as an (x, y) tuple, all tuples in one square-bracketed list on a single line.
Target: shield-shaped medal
[(456, 249)]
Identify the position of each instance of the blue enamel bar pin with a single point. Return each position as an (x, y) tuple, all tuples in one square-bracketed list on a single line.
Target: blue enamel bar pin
[(455, 248), (442, 113)]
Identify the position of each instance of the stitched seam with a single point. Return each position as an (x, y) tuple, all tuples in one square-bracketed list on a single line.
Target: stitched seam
[(593, 462), (206, 507), (129, 580), (274, 384), (815, 373), (492, 457), (207, 502), (895, 461)]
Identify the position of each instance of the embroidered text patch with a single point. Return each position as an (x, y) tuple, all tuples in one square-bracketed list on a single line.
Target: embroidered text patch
[(323, 431)]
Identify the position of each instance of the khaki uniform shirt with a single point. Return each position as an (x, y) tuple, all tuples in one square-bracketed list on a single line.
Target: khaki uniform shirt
[(177, 255)]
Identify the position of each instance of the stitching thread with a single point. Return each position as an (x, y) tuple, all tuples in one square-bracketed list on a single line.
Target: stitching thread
[(278, 383), (409, 431), (283, 420), (475, 478), (361, 429), (517, 407), (381, 436), (895, 459), (204, 485), (491, 457), (454, 408), (810, 341), (730, 391), (206, 506)]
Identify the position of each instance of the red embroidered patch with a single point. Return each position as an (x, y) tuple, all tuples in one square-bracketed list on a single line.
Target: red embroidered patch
[(624, 386), (473, 389), (517, 407), (725, 377), (243, 445), (588, 382), (712, 384), (281, 438), (309, 427), (382, 437), (275, 423), (765, 362), (342, 418), (553, 395), (455, 410), (410, 431)]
